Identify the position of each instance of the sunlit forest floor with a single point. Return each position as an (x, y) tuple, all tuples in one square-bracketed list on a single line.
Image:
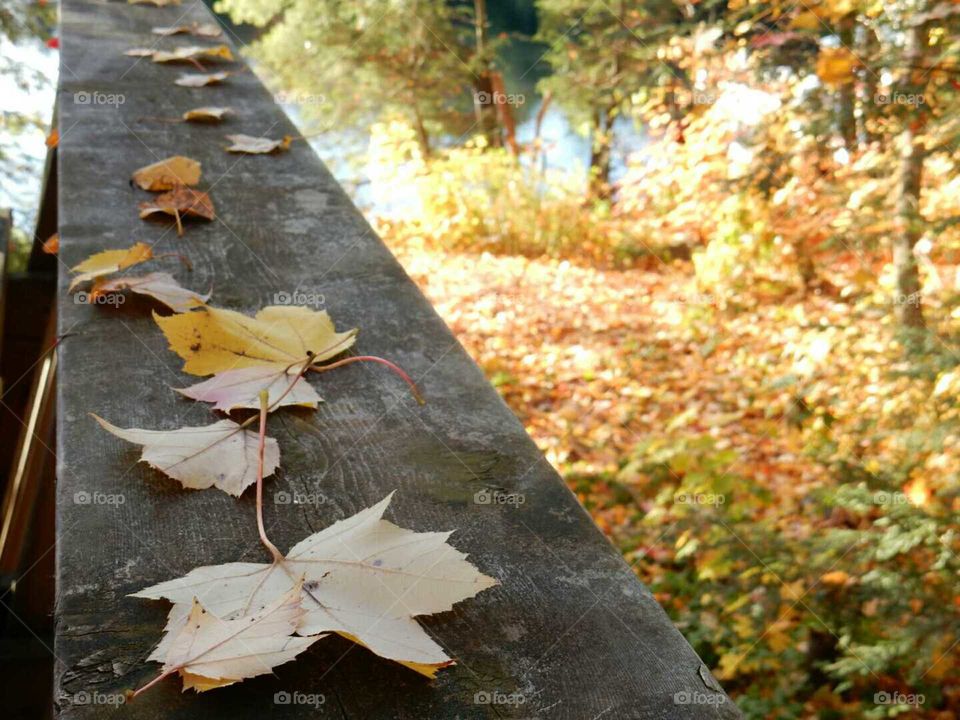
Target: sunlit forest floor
[(765, 463)]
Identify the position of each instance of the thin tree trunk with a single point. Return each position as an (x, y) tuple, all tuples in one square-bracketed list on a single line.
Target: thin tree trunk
[(909, 308), (485, 96), (846, 98), (600, 152), (869, 49), (538, 128), (423, 137)]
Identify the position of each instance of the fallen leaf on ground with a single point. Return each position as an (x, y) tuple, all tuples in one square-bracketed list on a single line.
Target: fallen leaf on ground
[(213, 340), (835, 66), (193, 52), (179, 203), (199, 80), (209, 652), (204, 30), (364, 578), (159, 285), (836, 577), (168, 174), (206, 114), (258, 145), (241, 388), (222, 455), (139, 52), (51, 246), (109, 261)]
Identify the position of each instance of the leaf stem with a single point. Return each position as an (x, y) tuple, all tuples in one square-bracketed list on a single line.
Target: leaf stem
[(264, 410), (373, 358), (130, 695)]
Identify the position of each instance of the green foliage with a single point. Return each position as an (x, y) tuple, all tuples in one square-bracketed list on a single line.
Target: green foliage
[(350, 63)]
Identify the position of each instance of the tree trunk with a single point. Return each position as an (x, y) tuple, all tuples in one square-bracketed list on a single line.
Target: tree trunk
[(909, 308), (847, 94), (423, 137), (485, 96), (869, 50), (600, 155)]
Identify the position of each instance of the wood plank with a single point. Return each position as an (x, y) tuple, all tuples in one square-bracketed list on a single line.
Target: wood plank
[(570, 631)]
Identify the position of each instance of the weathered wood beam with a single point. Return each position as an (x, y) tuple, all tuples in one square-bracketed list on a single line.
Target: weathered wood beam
[(570, 633)]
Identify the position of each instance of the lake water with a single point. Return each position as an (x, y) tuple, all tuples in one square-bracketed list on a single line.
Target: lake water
[(522, 66), (520, 62)]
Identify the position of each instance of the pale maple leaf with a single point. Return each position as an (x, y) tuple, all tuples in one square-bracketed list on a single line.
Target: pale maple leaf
[(158, 285), (364, 578), (240, 388), (222, 455), (209, 652)]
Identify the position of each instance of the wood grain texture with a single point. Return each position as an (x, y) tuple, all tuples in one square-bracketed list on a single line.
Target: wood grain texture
[(570, 631)]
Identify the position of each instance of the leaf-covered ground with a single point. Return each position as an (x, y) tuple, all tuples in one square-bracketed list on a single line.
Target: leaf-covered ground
[(831, 444)]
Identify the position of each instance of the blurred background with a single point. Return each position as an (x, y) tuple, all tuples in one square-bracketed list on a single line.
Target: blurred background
[(707, 251)]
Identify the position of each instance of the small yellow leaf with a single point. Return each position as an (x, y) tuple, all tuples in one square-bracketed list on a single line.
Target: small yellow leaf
[(193, 52), (109, 261), (206, 114), (835, 66), (805, 21), (168, 174), (837, 577)]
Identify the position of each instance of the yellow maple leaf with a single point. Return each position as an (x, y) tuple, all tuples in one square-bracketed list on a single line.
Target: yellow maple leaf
[(168, 174), (213, 340), (109, 261)]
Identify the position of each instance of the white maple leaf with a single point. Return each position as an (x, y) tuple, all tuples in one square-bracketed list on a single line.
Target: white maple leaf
[(210, 652), (222, 455), (365, 578)]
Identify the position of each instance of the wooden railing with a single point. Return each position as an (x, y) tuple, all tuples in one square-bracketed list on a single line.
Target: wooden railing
[(568, 633)]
